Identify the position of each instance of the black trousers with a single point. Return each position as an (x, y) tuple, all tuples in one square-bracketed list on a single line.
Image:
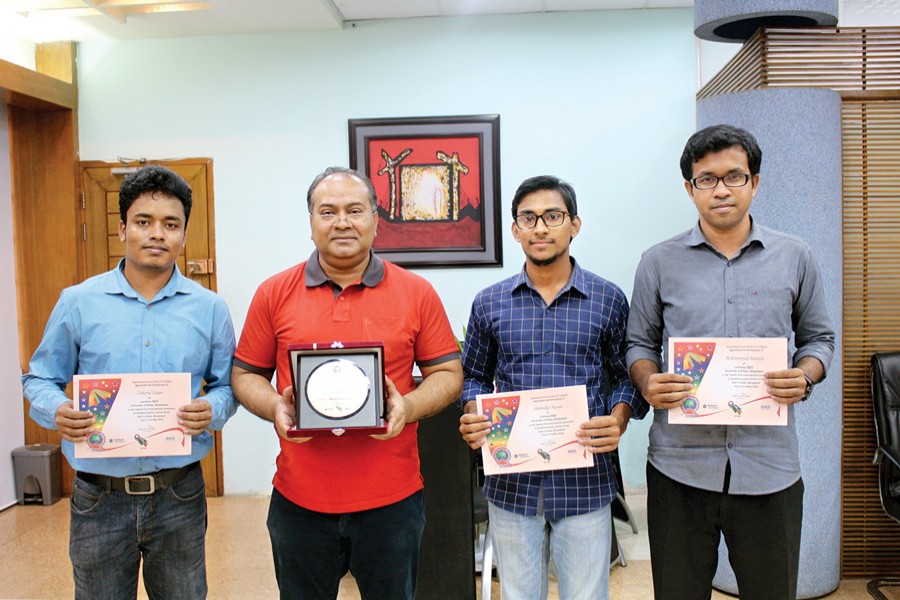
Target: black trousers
[(762, 534)]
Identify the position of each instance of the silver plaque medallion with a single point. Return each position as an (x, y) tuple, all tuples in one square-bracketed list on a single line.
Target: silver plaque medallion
[(337, 389)]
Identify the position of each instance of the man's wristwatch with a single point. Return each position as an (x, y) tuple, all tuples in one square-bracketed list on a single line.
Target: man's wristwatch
[(809, 387)]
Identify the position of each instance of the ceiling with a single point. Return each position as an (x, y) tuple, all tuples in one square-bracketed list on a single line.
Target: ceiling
[(258, 16)]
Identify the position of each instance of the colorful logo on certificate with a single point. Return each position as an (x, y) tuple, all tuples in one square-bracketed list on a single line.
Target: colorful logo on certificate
[(692, 359), (95, 440), (97, 396), (502, 413), (689, 406)]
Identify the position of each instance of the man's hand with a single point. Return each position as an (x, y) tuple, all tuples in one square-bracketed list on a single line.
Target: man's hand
[(787, 386), (602, 434), (283, 412), (398, 411), (474, 427), (74, 425), (195, 417), (667, 390)]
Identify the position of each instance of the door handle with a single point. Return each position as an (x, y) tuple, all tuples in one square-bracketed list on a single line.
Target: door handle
[(201, 267)]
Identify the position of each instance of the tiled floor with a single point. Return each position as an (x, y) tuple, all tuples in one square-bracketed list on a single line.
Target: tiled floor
[(34, 560)]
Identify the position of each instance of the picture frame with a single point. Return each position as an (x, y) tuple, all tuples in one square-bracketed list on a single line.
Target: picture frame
[(437, 180)]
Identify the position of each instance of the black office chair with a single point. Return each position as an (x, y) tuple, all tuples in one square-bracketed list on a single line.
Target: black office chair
[(886, 402)]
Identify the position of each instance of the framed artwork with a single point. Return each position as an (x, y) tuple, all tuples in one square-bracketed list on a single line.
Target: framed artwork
[(438, 185)]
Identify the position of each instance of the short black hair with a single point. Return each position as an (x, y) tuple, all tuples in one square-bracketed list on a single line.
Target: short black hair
[(546, 182), (715, 139), (154, 179), (373, 198)]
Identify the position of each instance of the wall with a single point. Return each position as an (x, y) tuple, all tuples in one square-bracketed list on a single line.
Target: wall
[(15, 49), (12, 435), (604, 100)]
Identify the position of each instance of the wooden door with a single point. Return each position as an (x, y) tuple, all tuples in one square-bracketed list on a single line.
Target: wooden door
[(102, 250)]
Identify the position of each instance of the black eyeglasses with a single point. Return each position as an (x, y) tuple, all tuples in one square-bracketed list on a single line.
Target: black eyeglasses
[(732, 180), (551, 218)]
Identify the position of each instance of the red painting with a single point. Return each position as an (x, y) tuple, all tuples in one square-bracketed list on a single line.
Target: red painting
[(437, 183)]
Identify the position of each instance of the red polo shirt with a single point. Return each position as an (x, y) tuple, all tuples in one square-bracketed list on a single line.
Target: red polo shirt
[(389, 304)]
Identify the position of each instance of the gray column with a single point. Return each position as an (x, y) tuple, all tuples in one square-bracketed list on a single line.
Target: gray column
[(799, 131), (737, 20)]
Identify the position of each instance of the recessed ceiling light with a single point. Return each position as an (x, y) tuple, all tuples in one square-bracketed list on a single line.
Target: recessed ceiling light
[(118, 10)]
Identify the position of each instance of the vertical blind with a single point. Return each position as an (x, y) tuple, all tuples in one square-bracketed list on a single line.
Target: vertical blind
[(871, 321)]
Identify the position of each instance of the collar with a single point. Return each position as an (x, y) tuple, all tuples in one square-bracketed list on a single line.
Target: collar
[(758, 235), (315, 275), (177, 284), (576, 280)]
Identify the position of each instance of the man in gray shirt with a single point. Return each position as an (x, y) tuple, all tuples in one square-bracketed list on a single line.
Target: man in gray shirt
[(726, 277)]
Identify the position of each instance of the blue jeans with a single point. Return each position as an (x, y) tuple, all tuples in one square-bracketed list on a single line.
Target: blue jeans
[(314, 550), (579, 545), (110, 532)]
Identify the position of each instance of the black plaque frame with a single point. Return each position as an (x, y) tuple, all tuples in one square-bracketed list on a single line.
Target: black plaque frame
[(368, 420)]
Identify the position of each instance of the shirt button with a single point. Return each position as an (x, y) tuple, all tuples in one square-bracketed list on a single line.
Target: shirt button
[(730, 262), (342, 298), (147, 343), (148, 307), (731, 301), (730, 445)]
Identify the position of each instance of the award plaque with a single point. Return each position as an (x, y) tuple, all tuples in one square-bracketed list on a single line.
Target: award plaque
[(338, 388)]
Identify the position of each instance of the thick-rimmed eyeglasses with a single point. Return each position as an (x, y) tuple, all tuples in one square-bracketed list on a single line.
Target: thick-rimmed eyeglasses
[(353, 216), (551, 218), (732, 180)]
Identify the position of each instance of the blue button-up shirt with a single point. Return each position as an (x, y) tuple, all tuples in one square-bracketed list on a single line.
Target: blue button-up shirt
[(104, 326), (771, 288), (518, 342)]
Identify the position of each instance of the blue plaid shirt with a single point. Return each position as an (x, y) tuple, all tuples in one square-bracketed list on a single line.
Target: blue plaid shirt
[(515, 340)]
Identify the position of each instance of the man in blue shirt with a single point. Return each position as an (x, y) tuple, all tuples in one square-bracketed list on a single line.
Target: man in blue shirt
[(552, 325), (141, 317), (728, 276)]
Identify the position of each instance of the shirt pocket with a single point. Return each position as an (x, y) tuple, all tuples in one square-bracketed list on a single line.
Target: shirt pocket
[(766, 309)]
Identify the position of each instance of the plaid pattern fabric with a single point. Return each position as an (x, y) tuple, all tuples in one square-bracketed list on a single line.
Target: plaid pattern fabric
[(514, 341)]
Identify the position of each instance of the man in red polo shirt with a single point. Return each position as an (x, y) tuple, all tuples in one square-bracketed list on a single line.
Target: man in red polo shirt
[(353, 502)]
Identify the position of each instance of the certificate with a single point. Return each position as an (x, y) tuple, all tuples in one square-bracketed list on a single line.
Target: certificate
[(729, 387), (136, 414), (534, 430)]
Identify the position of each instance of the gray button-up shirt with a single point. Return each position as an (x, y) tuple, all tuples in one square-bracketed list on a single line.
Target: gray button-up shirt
[(683, 287)]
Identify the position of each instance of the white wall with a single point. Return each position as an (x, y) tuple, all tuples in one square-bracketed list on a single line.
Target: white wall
[(12, 435), (15, 49), (604, 100)]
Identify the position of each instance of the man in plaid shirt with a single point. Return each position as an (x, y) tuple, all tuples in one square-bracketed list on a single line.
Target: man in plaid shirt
[(552, 325)]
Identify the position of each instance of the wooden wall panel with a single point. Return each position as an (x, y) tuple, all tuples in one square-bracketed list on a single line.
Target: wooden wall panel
[(43, 181), (44, 178), (847, 59), (870, 541)]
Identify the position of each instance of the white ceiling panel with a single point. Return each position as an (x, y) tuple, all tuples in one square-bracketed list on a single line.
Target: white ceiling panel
[(490, 7), (361, 10), (225, 17), (575, 5), (568, 5), (261, 16)]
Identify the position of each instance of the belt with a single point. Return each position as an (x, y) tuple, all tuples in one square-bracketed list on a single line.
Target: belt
[(139, 485)]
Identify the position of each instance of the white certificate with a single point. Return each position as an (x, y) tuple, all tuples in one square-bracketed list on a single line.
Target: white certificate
[(535, 430), (729, 387), (136, 414)]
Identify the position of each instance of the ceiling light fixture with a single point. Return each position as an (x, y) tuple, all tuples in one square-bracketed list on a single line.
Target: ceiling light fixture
[(118, 10)]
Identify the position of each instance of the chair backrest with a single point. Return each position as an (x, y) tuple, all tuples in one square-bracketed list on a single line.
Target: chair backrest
[(886, 403)]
